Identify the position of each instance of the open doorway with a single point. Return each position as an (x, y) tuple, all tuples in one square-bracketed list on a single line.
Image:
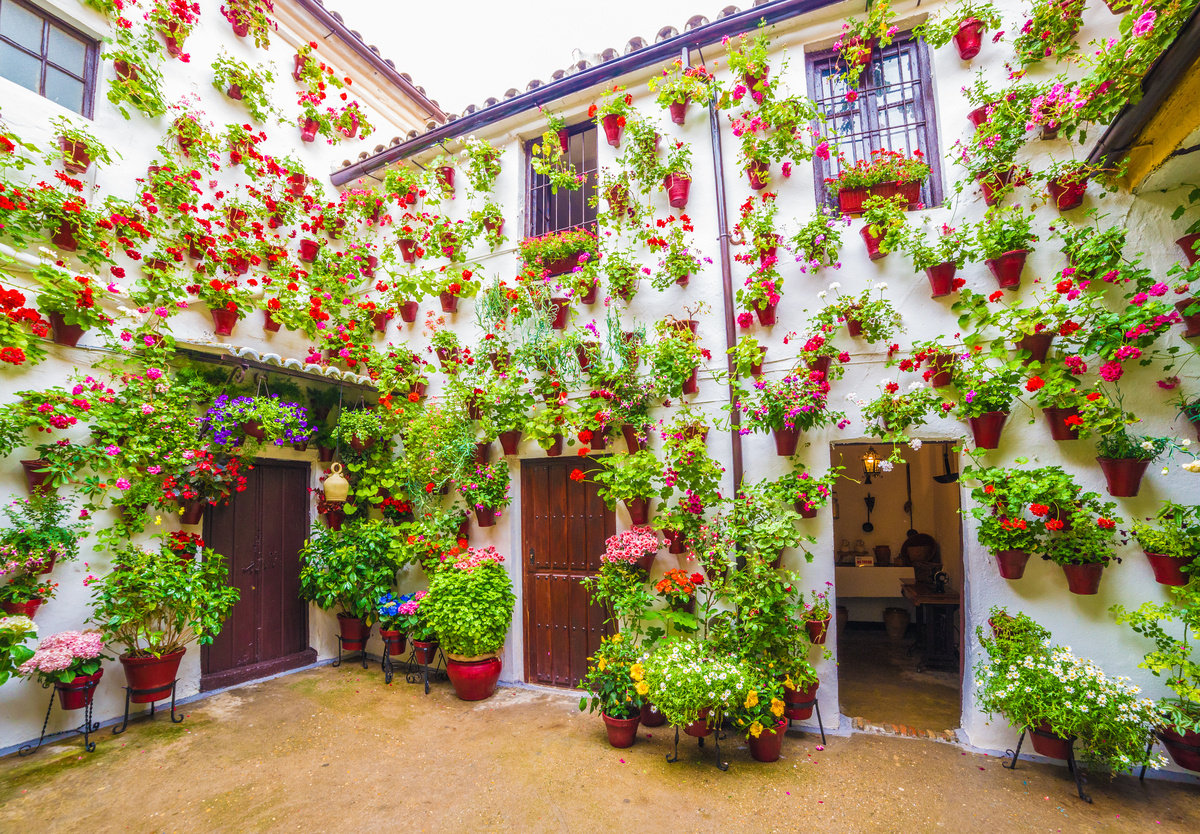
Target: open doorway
[(898, 582)]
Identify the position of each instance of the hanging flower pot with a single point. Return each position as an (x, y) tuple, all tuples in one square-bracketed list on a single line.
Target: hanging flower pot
[(677, 186), (308, 250), (324, 454), (394, 642), (678, 110), (193, 512), (993, 183), (409, 310), (819, 365), (235, 92), (1124, 475), (758, 172), (36, 481), (1189, 244), (1192, 321), (941, 279), (28, 608), (510, 441), (969, 38), (78, 693), (1011, 563), (64, 237), (1036, 344), (1066, 193), (1060, 429), (449, 302), (621, 731), (63, 333), (380, 321), (485, 516), (639, 510), (308, 130), (978, 117), (1008, 267), (153, 676), (765, 312), (354, 631), (756, 81), (804, 510), (1084, 579), (786, 440), (767, 746), (1168, 570), (873, 242), (224, 320), (556, 447), (445, 176), (76, 159), (942, 366), (854, 327), (562, 309), (473, 680), (408, 250), (1183, 747), (850, 200), (483, 450), (699, 728), (269, 323), (1049, 744), (633, 440), (564, 140), (793, 698), (425, 651), (691, 385), (676, 541), (817, 631), (295, 184), (613, 126), (600, 439), (986, 428), (617, 195)]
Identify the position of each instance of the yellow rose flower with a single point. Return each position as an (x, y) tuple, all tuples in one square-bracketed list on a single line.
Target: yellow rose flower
[(642, 688), (776, 707), (637, 671), (756, 729), (751, 700)]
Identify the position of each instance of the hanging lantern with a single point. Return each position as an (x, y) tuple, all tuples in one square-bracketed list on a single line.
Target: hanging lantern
[(337, 488), (870, 463)]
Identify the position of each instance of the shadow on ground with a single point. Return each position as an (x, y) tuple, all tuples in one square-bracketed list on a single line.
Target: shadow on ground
[(335, 749)]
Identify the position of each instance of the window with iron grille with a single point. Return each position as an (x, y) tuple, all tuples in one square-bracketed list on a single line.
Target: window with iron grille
[(549, 212), (45, 55), (893, 110)]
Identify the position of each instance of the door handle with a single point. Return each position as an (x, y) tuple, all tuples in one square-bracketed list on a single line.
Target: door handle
[(531, 557), (250, 567)]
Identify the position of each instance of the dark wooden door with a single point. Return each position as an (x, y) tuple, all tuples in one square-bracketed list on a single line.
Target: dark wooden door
[(564, 524), (260, 532)]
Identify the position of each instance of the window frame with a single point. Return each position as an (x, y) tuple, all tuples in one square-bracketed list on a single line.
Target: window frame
[(933, 190), (587, 190), (90, 58)]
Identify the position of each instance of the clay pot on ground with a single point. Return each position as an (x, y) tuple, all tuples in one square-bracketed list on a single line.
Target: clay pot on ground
[(621, 731), (473, 679), (152, 676)]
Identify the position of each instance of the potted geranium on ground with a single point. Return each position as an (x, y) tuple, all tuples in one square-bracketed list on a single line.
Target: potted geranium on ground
[(470, 606), (70, 661), (610, 688)]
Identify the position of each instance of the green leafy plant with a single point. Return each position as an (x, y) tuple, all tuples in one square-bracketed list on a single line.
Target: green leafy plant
[(608, 685), (470, 603), (818, 242), (250, 83), (939, 30), (1173, 657), (683, 679), (350, 569), (1004, 229)]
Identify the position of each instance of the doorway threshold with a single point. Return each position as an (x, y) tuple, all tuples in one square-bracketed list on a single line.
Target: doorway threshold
[(862, 725)]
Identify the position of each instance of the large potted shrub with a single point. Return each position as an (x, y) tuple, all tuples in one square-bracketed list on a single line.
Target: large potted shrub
[(470, 606), (611, 688), (156, 602), (351, 570)]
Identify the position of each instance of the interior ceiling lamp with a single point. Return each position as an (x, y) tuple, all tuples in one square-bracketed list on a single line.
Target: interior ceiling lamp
[(870, 463)]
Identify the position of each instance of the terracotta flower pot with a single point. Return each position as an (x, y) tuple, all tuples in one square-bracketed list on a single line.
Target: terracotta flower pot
[(969, 38), (1011, 563), (193, 512), (473, 680), (786, 440), (1056, 418), (691, 385), (308, 250), (941, 279), (1084, 579), (78, 693), (612, 129), (562, 309), (485, 516), (699, 728), (677, 186), (152, 676), (483, 452), (994, 185), (409, 310), (986, 428), (234, 92), (651, 717), (978, 116), (354, 631), (850, 200), (942, 367), (445, 176), (793, 698), (1189, 244), (759, 174), (408, 250), (1124, 475), (1066, 194), (854, 327), (380, 321), (76, 159), (1008, 268), (768, 746), (1191, 322), (820, 365), (223, 321), (308, 130), (804, 510), (35, 481), (1168, 570), (1049, 744), (64, 334), (28, 608), (873, 242), (765, 313), (633, 441), (556, 447), (65, 237), (449, 302), (621, 731), (394, 642), (426, 651), (676, 541), (1037, 345), (510, 441), (678, 110), (1183, 747), (269, 323), (639, 510), (817, 631)]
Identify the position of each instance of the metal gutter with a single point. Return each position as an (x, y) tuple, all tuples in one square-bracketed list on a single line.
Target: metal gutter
[(343, 32), (657, 53), (1166, 73)]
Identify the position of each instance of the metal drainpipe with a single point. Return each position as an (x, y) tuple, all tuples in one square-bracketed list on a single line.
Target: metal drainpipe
[(735, 440)]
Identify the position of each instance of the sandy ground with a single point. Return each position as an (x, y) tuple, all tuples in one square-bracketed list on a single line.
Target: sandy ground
[(334, 749)]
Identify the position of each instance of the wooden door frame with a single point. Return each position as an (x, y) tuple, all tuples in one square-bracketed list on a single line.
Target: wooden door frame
[(275, 665)]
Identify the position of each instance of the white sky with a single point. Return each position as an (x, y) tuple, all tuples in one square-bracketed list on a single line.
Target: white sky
[(463, 51)]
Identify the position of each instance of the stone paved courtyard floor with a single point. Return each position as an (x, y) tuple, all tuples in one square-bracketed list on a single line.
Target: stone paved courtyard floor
[(334, 749)]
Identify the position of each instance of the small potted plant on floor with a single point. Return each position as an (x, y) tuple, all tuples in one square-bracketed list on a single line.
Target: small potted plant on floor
[(156, 602), (610, 688), (691, 688), (70, 661), (411, 620), (394, 623), (760, 715), (350, 570), (470, 606)]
